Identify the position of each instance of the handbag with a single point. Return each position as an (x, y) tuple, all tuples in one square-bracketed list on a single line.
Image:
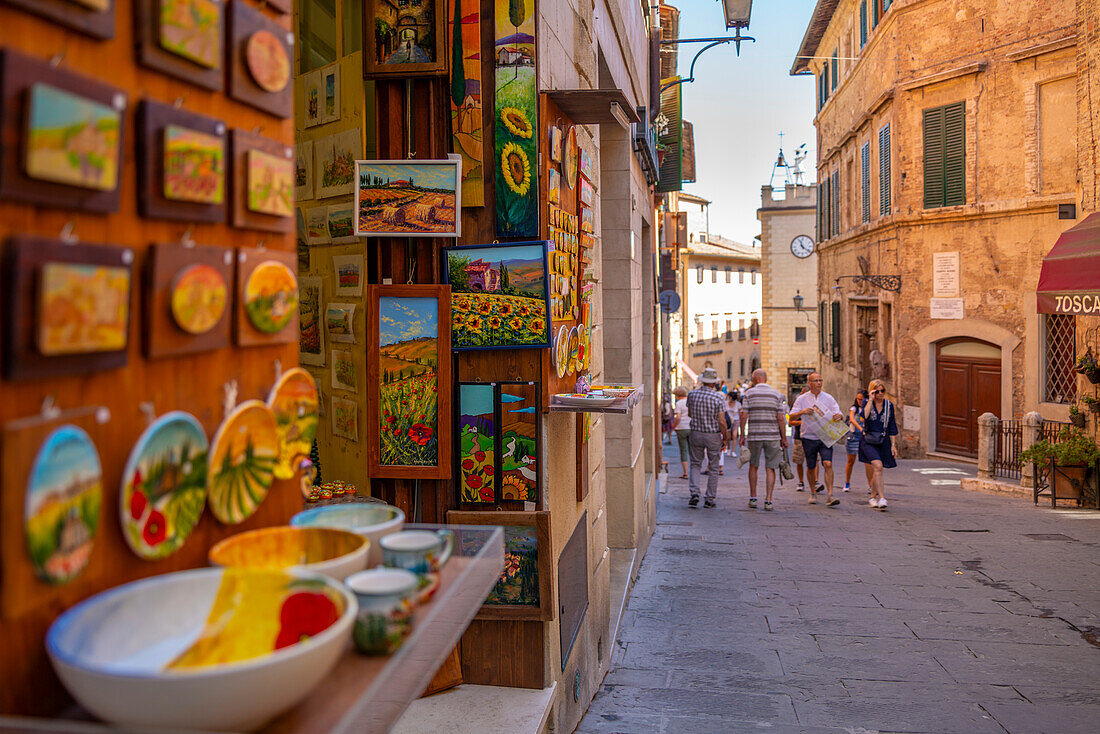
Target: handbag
[(878, 438), (785, 466)]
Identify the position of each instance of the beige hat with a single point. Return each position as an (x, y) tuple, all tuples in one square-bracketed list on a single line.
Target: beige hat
[(709, 376)]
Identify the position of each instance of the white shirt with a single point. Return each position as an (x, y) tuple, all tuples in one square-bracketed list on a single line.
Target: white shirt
[(684, 422), (825, 406)]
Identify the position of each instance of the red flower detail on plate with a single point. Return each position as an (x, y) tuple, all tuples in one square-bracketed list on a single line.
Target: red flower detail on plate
[(303, 615), (156, 528), (421, 434), (138, 503)]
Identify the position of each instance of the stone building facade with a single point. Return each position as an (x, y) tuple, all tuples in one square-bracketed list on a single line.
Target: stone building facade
[(788, 338), (943, 128)]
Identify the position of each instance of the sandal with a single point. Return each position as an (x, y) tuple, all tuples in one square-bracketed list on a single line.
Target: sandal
[(683, 476), (720, 473)]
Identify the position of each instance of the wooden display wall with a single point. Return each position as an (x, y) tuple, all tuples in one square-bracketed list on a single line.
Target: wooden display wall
[(190, 382)]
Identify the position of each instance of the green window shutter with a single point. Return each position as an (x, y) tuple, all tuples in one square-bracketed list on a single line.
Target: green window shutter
[(834, 69), (863, 23), (865, 176), (884, 170), (824, 327), (820, 233), (886, 5), (933, 122), (835, 205), (954, 174), (874, 12), (836, 331)]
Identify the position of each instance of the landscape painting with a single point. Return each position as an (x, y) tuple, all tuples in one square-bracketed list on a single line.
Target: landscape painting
[(192, 29), (271, 296), (295, 403), (343, 371), (345, 419), (241, 463), (477, 438), (404, 38), (398, 198), (408, 364), (519, 581), (467, 131), (72, 140), (339, 321), (164, 486), (199, 297), (311, 337), (303, 171), (194, 166), (519, 449), (499, 296), (62, 505), (341, 225), (270, 184), (335, 157), (349, 274), (515, 119), (331, 87), (83, 308), (317, 226)]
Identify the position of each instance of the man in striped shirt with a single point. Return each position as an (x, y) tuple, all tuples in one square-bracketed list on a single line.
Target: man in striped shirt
[(709, 434), (764, 428)]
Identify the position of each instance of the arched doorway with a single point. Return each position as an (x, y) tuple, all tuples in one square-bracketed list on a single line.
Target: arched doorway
[(968, 384)]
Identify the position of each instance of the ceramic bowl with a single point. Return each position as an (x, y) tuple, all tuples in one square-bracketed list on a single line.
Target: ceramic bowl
[(111, 652), (371, 519), (329, 551)]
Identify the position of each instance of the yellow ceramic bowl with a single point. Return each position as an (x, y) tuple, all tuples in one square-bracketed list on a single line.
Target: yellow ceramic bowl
[(329, 551)]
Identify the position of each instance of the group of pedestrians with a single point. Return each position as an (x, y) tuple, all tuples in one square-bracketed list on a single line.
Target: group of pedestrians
[(705, 426)]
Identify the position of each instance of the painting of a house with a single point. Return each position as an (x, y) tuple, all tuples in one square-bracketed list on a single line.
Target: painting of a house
[(483, 277)]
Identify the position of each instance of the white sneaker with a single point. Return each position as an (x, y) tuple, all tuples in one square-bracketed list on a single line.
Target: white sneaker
[(847, 487), (882, 504), (872, 502)]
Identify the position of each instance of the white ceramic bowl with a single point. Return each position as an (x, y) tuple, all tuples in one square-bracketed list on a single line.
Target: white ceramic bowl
[(373, 520), (333, 552), (111, 649)]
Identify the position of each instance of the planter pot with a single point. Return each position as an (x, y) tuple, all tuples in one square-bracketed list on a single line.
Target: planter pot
[(1093, 375), (1068, 481), (1078, 419)]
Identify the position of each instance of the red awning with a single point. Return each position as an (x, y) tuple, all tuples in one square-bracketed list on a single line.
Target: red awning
[(1069, 281)]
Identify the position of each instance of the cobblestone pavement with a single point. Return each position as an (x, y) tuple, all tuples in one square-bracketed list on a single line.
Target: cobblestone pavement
[(953, 611)]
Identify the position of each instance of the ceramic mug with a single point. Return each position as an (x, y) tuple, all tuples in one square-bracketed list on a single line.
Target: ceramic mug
[(385, 598), (419, 551)]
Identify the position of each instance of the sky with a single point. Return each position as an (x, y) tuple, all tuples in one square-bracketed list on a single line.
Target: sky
[(66, 454), (739, 105), (426, 176), (402, 319)]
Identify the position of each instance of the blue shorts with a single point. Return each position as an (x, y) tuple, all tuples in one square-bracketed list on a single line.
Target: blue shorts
[(851, 444), (813, 449)]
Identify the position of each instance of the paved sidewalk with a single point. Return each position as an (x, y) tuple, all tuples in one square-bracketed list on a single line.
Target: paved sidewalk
[(953, 611)]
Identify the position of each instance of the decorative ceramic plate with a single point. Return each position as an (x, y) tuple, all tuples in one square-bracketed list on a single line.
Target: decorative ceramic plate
[(572, 163), (561, 352), (294, 402), (267, 61), (241, 466), (271, 296), (164, 485), (199, 295), (590, 400), (574, 351), (61, 509)]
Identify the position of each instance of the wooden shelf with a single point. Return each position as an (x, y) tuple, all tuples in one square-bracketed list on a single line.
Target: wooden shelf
[(621, 405), (366, 694)]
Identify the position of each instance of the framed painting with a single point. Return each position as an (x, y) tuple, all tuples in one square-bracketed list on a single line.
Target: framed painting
[(67, 306), (340, 322), (404, 39), (467, 127), (311, 332), (408, 198), (476, 442), (303, 171), (65, 136), (409, 378), (267, 297), (341, 224), (260, 53), (188, 300), (95, 18), (499, 296), (518, 409), (587, 169), (497, 441), (330, 93), (349, 274), (515, 120), (313, 99), (182, 164), (335, 156), (524, 589), (262, 185), (182, 38)]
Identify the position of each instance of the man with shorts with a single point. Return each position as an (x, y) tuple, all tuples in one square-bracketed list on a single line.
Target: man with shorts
[(824, 407), (798, 458), (764, 429)]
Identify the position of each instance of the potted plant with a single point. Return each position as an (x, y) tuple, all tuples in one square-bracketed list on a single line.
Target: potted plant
[(1072, 453), (1076, 417), (1088, 366)]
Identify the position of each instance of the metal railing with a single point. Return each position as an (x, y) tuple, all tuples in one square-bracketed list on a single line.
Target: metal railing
[(1008, 442), (1050, 429)]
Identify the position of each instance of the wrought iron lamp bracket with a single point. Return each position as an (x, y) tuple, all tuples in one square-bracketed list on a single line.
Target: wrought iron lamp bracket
[(711, 43), (882, 282)]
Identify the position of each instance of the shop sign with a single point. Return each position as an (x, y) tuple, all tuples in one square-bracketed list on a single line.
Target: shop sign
[(1070, 303)]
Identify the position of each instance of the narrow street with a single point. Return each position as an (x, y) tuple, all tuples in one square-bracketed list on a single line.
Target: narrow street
[(953, 611)]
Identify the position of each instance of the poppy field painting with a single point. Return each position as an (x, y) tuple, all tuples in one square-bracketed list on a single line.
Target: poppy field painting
[(477, 441), (499, 296)]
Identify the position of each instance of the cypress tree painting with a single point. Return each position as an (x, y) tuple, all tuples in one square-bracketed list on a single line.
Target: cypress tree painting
[(515, 120), (466, 127)]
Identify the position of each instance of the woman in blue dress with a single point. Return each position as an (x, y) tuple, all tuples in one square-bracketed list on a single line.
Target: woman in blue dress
[(879, 424)]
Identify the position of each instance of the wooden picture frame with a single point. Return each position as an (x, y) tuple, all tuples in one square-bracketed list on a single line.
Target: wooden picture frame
[(152, 54), (24, 357), (163, 335), (18, 73), (540, 520), (502, 395), (424, 216), (99, 24), (374, 68), (240, 143), (245, 334), (153, 120), (385, 381), (244, 21)]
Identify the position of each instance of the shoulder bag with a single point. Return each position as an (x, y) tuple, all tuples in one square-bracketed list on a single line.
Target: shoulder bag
[(878, 438)]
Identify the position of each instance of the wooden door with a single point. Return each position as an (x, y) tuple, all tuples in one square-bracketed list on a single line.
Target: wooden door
[(966, 387), (867, 331)]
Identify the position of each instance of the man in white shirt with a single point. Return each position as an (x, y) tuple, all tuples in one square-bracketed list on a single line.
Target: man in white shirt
[(823, 406)]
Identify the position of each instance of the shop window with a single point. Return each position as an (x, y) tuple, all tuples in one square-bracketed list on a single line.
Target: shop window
[(1059, 343), (945, 155), (800, 333), (317, 34)]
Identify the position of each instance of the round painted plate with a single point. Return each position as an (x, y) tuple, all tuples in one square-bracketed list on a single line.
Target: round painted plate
[(271, 296), (561, 352), (63, 500), (241, 466), (572, 163), (574, 351), (164, 485), (267, 61), (294, 402), (199, 295)]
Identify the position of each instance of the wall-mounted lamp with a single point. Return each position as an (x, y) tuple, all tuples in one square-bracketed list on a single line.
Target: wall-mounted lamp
[(799, 300)]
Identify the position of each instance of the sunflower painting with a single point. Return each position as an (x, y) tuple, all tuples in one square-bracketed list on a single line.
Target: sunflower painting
[(515, 119)]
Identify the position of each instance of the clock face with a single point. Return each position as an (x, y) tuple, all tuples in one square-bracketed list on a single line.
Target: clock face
[(802, 246)]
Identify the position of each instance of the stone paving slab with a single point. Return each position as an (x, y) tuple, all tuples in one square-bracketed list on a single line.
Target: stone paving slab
[(817, 620)]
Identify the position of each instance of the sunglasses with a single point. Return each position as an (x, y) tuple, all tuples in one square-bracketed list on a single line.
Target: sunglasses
[(877, 392)]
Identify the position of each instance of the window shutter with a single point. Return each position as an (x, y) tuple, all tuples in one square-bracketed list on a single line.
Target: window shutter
[(865, 175), (886, 5), (874, 13), (823, 329), (884, 170), (933, 157), (835, 204), (954, 154), (863, 23), (836, 331), (834, 70)]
